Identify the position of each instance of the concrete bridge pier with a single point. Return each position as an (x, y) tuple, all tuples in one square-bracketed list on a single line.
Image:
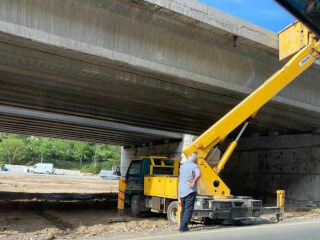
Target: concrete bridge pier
[(167, 149)]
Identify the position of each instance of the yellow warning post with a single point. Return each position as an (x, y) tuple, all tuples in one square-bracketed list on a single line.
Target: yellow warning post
[(122, 188), (280, 203)]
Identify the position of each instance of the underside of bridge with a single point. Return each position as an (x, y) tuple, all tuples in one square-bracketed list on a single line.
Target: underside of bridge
[(48, 83), (48, 89)]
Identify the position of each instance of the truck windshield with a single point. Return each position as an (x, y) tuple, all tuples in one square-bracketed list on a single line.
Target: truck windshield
[(135, 169)]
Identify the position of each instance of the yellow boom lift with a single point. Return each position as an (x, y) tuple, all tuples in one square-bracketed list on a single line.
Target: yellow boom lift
[(152, 182), (244, 111)]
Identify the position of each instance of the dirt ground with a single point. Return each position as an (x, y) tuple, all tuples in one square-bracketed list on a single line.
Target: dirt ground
[(39, 183), (88, 220), (47, 220), (58, 220)]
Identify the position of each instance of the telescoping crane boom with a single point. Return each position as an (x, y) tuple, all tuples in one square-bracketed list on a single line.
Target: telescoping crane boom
[(210, 183)]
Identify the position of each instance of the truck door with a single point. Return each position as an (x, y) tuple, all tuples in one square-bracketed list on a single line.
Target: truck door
[(135, 177)]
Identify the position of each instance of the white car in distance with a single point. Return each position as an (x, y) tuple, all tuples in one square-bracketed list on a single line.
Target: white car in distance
[(44, 168), (109, 175)]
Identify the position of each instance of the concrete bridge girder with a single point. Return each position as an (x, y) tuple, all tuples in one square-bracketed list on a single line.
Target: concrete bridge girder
[(169, 65)]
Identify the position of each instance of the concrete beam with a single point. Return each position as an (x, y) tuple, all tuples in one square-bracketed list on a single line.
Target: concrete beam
[(77, 128)]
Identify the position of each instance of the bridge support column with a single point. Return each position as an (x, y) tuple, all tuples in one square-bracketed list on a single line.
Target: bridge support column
[(166, 149)]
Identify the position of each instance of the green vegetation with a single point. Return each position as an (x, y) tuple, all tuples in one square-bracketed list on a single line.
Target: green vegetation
[(74, 155)]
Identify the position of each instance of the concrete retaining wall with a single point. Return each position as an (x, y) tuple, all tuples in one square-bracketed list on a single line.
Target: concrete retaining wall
[(22, 168), (262, 165), (67, 172), (16, 168)]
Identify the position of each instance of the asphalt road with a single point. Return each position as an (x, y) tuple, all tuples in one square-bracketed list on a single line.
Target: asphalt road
[(306, 230)]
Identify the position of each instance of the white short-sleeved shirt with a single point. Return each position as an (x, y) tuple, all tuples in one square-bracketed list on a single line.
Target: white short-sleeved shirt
[(187, 173)]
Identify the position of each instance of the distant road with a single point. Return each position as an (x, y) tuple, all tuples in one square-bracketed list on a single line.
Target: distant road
[(306, 230)]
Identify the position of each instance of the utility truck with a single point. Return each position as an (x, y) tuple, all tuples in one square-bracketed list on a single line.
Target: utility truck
[(152, 182)]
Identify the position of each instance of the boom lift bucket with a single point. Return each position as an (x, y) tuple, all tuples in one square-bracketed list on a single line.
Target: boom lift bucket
[(293, 38)]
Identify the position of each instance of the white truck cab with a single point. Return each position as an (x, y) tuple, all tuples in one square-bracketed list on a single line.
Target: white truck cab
[(45, 168)]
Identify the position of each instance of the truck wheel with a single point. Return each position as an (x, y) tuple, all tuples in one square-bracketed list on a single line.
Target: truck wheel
[(137, 205), (172, 212)]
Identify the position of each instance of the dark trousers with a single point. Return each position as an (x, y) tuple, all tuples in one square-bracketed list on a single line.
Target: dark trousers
[(187, 206)]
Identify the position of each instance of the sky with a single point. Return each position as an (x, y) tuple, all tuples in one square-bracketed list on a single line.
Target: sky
[(264, 13)]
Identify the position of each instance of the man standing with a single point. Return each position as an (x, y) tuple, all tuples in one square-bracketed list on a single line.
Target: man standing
[(187, 189)]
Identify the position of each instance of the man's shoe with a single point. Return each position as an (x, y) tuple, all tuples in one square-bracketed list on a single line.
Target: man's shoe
[(184, 230)]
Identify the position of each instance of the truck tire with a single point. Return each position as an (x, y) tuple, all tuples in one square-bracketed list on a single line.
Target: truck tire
[(137, 205), (172, 212)]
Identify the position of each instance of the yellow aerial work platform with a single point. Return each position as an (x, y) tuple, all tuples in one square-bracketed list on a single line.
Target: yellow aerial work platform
[(159, 175), (293, 38)]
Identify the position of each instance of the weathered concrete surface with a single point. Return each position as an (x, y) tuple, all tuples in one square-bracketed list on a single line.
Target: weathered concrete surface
[(170, 66), (262, 165), (147, 38), (204, 16), (163, 150)]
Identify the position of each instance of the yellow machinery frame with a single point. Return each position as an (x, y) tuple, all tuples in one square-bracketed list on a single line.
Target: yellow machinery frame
[(210, 184), (163, 165), (165, 186)]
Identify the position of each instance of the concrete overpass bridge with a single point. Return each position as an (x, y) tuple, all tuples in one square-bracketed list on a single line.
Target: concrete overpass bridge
[(144, 72), (133, 72)]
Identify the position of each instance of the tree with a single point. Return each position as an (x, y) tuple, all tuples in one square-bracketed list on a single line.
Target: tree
[(20, 149), (63, 149), (110, 154), (13, 150), (41, 148), (81, 150), (96, 149)]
